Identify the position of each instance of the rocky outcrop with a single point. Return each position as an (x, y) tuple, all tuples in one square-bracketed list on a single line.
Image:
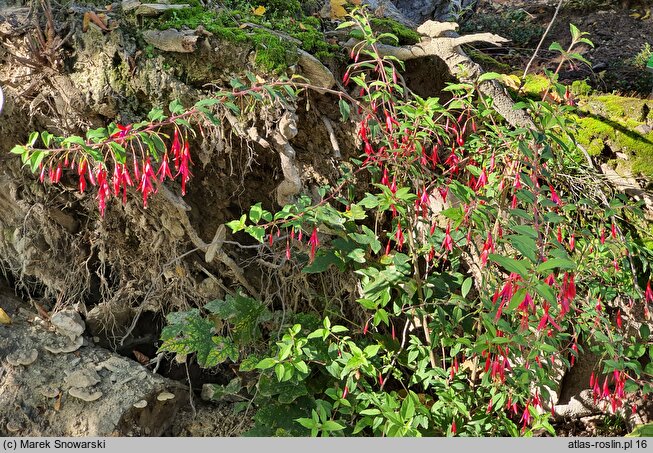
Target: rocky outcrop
[(81, 390)]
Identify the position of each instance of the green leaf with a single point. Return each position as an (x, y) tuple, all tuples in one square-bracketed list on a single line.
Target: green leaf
[(344, 109), (233, 107), (517, 299), (553, 263), (330, 425), (466, 286), (322, 262), (547, 293), (489, 76), (243, 313), (206, 102), (18, 149), (511, 265), (255, 213), (256, 232), (237, 225), (301, 367), (175, 107), (35, 160), (46, 137), (280, 371), (307, 422), (557, 47), (642, 431), (188, 332), (156, 114), (32, 139), (526, 246), (266, 363)]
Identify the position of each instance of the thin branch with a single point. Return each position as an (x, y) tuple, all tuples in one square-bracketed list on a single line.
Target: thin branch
[(539, 45)]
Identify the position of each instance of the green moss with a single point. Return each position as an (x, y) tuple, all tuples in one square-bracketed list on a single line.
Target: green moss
[(581, 88), (273, 53), (592, 134), (487, 62), (405, 35), (535, 85), (611, 120)]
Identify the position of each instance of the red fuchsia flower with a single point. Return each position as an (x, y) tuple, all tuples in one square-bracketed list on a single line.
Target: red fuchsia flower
[(184, 169), (559, 234), (145, 185), (602, 239), (381, 380), (452, 161), (313, 242), (125, 181), (384, 179), (345, 78), (399, 236), (81, 169), (175, 149), (648, 294), (513, 203), (482, 180), (550, 280), (119, 137), (526, 303), (103, 190), (574, 348), (567, 293), (453, 428), (547, 319), (389, 121), (606, 388), (362, 132), (572, 242), (526, 416), (366, 327), (164, 169), (435, 156), (444, 191), (517, 184), (447, 243), (614, 231), (345, 392), (618, 319), (554, 196), (487, 248)]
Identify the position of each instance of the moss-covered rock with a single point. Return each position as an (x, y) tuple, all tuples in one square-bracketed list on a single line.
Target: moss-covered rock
[(274, 52), (616, 127), (621, 124), (487, 62)]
